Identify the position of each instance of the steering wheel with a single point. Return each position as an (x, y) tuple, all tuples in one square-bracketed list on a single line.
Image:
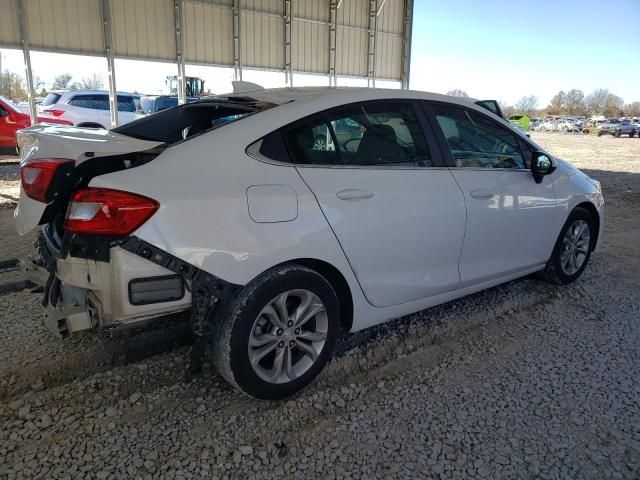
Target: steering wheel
[(506, 163)]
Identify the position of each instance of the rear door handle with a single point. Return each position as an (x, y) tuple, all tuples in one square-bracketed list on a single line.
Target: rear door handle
[(354, 194), (482, 194)]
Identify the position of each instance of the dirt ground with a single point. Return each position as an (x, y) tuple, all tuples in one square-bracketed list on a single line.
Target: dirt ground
[(525, 380)]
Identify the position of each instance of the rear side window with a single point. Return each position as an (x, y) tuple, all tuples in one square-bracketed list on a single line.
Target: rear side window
[(96, 102), (373, 134), (477, 141), (125, 103), (51, 99)]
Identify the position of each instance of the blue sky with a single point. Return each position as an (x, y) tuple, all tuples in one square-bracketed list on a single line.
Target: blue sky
[(502, 49), (509, 48)]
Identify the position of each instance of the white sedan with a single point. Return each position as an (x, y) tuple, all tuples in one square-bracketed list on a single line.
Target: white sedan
[(230, 208)]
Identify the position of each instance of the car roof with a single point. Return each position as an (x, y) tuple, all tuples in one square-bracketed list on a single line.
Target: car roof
[(90, 92), (281, 96)]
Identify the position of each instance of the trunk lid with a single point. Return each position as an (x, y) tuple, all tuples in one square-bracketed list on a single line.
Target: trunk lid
[(72, 143)]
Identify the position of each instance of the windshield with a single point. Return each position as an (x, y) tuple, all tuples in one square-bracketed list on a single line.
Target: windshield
[(186, 121), (10, 105)]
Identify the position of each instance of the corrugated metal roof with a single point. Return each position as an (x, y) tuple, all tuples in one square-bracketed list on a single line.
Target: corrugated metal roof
[(145, 29), (65, 25), (9, 26)]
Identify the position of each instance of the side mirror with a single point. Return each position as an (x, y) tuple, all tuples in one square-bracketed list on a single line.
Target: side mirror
[(541, 165)]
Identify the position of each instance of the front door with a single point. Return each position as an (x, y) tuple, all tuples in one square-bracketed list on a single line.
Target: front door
[(397, 213), (508, 213)]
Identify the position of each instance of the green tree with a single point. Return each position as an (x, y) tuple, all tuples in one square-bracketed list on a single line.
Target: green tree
[(12, 86)]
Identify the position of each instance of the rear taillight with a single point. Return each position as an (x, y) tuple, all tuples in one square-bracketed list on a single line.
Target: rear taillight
[(38, 175), (102, 211), (54, 112)]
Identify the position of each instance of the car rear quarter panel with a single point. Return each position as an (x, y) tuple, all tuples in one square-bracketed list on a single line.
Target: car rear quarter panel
[(204, 215)]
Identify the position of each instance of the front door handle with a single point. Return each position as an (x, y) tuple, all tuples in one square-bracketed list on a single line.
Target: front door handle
[(354, 194), (482, 194)]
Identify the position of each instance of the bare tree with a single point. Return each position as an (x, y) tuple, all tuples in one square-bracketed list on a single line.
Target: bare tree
[(527, 105), (632, 109), (557, 103), (613, 105), (574, 102), (93, 82), (596, 101), (61, 82), (507, 110), (456, 92)]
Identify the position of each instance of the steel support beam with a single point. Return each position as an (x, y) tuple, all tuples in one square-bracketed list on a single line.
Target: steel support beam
[(237, 61), (371, 62), (407, 27), (26, 52), (333, 27), (288, 67), (105, 10), (178, 15)]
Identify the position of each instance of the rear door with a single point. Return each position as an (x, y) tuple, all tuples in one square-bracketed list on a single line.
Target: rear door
[(83, 108), (379, 179), (508, 213)]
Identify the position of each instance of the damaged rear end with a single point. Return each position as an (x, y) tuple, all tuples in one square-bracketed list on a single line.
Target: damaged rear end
[(95, 272), (89, 280)]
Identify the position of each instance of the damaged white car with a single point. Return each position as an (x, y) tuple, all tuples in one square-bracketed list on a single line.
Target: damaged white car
[(280, 217)]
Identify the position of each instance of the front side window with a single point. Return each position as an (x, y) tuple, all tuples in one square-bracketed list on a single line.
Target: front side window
[(382, 134), (477, 141)]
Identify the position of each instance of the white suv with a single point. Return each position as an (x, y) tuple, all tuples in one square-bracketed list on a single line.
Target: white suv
[(230, 208), (89, 108)]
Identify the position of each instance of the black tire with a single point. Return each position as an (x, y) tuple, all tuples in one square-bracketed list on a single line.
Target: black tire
[(599, 134), (554, 271), (617, 134), (231, 336)]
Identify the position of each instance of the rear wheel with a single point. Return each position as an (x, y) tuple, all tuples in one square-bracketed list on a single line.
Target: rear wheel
[(572, 250), (278, 333)]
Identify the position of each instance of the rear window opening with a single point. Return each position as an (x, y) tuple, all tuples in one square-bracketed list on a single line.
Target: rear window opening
[(186, 121), (51, 99)]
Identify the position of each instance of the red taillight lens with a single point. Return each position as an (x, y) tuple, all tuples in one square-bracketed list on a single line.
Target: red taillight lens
[(102, 211), (55, 113), (37, 176)]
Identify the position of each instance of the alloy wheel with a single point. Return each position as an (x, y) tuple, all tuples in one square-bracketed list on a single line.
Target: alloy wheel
[(575, 247), (288, 336)]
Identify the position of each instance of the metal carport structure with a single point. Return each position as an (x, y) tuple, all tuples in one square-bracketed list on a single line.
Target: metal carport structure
[(353, 38)]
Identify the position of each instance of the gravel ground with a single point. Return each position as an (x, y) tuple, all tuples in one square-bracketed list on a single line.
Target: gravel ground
[(525, 380)]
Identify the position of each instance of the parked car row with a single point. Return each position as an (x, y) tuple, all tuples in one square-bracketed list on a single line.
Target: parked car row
[(13, 119)]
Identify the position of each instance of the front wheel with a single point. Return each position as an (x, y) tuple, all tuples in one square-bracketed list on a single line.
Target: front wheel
[(617, 134), (278, 333), (572, 250)]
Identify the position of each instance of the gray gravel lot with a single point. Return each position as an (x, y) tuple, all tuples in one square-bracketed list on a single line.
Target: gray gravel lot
[(525, 380)]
